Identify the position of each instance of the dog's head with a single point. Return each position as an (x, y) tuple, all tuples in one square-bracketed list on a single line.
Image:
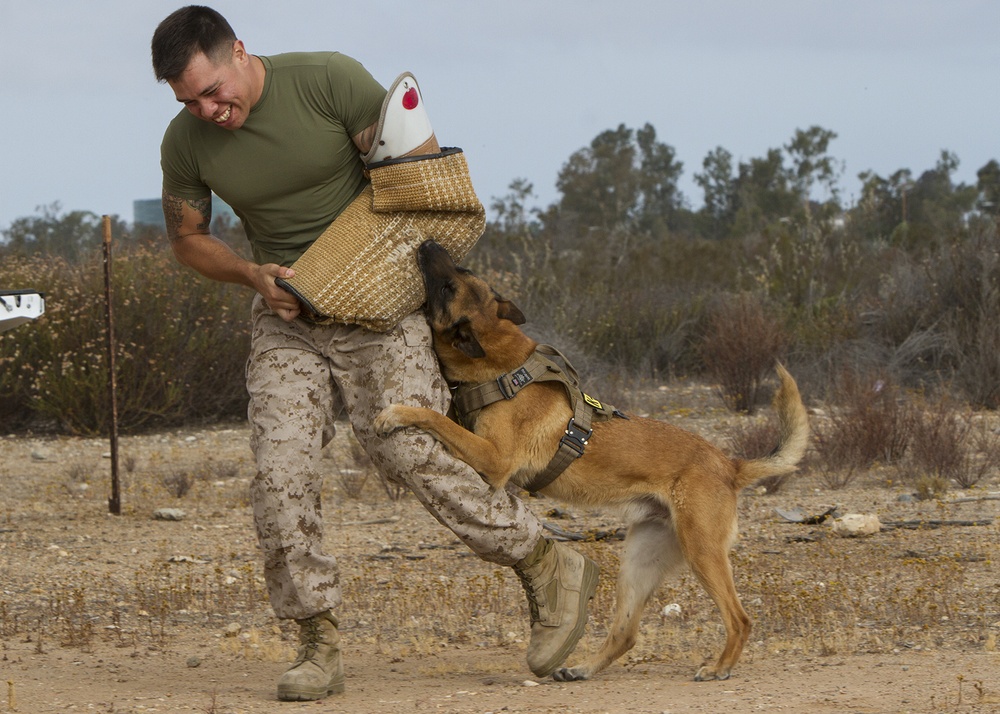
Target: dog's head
[(464, 312)]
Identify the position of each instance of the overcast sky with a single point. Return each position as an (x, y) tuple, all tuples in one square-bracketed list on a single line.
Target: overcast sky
[(522, 84)]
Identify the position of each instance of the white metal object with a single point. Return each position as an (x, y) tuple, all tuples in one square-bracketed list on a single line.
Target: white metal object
[(403, 127), (18, 307)]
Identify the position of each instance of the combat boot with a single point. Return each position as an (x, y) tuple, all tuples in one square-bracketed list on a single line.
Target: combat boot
[(317, 671), (559, 582)]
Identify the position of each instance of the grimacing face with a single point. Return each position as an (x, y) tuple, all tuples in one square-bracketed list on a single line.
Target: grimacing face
[(219, 92)]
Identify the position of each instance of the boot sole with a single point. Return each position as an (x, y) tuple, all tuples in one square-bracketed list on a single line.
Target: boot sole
[(308, 694), (588, 586)]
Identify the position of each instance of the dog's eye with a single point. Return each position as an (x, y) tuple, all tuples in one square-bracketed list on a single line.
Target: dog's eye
[(447, 289)]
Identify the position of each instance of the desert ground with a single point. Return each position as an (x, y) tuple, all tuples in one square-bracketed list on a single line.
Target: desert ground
[(136, 613)]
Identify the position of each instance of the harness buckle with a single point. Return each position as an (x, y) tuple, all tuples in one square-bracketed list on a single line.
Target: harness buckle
[(576, 438), (505, 391)]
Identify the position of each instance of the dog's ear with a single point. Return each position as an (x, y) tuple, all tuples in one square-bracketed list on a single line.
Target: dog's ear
[(506, 310), (464, 339)]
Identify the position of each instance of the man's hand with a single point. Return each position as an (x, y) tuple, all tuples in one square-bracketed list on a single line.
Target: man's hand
[(283, 303)]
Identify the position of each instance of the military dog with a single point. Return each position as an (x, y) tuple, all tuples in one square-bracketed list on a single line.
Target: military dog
[(676, 491)]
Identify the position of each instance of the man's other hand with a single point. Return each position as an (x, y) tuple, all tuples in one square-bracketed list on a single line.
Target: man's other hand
[(285, 304)]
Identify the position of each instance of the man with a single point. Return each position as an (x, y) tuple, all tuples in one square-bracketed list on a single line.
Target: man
[(280, 138)]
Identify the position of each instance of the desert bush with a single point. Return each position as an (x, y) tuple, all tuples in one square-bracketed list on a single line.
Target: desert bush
[(809, 263), (983, 456), (903, 330), (872, 424), (181, 345), (739, 349), (951, 445), (966, 276), (177, 482), (632, 303), (978, 370), (939, 443)]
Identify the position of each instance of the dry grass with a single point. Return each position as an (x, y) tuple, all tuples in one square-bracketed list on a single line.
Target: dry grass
[(951, 444), (815, 598), (410, 589), (872, 423)]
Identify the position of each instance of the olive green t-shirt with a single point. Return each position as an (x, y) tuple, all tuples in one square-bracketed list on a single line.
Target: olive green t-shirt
[(292, 167)]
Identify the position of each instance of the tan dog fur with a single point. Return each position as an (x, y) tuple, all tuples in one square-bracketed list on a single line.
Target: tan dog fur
[(676, 491)]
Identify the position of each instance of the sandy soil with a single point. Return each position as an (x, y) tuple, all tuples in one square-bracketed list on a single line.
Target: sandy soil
[(117, 614)]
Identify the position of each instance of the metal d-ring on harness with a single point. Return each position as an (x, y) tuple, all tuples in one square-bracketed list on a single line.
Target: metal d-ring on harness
[(469, 400)]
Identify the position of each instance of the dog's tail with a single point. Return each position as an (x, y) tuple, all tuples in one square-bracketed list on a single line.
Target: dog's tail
[(794, 427)]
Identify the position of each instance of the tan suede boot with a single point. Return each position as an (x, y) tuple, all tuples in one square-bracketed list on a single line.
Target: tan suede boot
[(559, 582), (317, 671)]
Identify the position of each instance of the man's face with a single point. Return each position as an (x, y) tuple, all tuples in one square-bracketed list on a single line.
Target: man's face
[(221, 93)]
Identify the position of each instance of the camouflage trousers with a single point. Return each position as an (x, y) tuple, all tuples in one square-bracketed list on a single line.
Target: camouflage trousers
[(300, 377)]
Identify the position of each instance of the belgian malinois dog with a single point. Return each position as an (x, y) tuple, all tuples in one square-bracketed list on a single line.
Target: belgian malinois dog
[(676, 492)]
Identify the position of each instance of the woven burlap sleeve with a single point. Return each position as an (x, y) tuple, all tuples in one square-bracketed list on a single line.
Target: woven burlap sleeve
[(363, 269)]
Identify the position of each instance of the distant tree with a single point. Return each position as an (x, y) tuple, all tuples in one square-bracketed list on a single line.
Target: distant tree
[(68, 235), (812, 165), (915, 213), (764, 190), (507, 238), (598, 184), (623, 183), (659, 171), (882, 207), (718, 186), (937, 207), (512, 216), (765, 193), (988, 184)]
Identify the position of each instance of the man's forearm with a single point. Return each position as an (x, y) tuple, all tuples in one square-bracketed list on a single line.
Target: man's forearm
[(214, 259), (194, 246), (187, 222)]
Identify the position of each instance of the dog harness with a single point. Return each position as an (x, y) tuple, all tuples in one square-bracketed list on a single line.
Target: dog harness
[(468, 401)]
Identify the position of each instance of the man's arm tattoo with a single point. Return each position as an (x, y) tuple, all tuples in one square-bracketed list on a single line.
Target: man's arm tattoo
[(204, 207), (173, 213)]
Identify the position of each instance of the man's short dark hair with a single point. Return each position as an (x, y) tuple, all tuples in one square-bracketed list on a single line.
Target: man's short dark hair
[(185, 33)]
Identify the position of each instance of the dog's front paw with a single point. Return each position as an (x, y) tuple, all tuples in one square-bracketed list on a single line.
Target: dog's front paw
[(388, 420)]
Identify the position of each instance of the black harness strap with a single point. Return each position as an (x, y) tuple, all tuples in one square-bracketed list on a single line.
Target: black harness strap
[(469, 400)]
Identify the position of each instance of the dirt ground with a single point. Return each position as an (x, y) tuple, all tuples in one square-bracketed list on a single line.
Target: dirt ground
[(131, 613)]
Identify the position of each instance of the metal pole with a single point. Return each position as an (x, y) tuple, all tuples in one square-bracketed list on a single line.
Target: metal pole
[(115, 501)]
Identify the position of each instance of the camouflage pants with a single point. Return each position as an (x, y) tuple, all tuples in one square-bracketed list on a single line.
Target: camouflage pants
[(300, 377)]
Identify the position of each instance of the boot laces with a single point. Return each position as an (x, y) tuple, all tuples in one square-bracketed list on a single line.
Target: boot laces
[(529, 591), (311, 641)]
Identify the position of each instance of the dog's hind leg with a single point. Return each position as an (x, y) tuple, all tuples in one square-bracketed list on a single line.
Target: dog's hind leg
[(651, 552), (708, 555)]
